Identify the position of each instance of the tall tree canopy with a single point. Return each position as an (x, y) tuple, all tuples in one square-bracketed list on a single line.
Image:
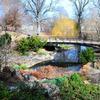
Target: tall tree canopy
[(38, 9)]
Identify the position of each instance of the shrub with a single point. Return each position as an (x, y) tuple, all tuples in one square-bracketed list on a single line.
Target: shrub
[(27, 92), (19, 67), (66, 47), (73, 88), (35, 43), (42, 52), (5, 39), (87, 55), (23, 45), (22, 92), (30, 43), (4, 93)]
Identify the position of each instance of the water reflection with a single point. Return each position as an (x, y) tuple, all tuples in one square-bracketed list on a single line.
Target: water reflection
[(74, 68), (70, 55), (64, 58)]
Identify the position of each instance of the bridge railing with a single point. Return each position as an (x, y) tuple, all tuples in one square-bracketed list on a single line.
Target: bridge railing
[(53, 37), (91, 37)]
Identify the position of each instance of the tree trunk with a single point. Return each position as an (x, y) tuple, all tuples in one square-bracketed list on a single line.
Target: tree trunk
[(38, 27), (79, 37)]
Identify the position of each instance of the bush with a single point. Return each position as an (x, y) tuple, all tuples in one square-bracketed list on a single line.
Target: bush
[(73, 88), (25, 92), (35, 43), (65, 47), (5, 39), (42, 52), (30, 43), (87, 55), (19, 67), (23, 45), (4, 93)]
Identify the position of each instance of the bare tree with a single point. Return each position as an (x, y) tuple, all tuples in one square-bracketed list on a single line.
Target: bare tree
[(11, 20), (96, 3), (79, 11), (12, 14), (39, 10), (97, 27)]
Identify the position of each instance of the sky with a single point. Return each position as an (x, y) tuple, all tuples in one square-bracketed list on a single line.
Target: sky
[(63, 7), (66, 7)]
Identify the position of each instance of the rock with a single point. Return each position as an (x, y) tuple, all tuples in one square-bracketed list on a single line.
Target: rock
[(32, 78), (91, 73), (52, 90), (95, 78), (86, 82), (97, 65), (7, 73), (6, 69), (19, 76), (85, 69)]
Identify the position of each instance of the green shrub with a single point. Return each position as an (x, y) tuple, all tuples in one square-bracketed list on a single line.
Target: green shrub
[(66, 47), (42, 52), (73, 88), (87, 55), (5, 39), (4, 93), (25, 92), (76, 89), (19, 67), (30, 43), (23, 45), (35, 43)]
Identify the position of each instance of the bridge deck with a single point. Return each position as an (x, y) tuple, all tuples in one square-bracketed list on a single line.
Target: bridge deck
[(73, 41)]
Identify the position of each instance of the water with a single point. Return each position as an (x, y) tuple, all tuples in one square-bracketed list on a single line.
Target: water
[(69, 67), (74, 68), (70, 55), (67, 59)]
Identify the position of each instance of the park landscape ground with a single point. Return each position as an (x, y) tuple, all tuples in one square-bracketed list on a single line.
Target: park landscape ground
[(59, 82)]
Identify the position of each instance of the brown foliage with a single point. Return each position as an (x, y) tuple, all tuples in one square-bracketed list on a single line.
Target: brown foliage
[(47, 72), (13, 13)]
